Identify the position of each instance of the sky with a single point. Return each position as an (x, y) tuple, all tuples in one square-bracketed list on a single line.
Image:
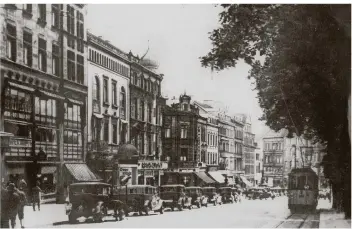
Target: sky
[(177, 35)]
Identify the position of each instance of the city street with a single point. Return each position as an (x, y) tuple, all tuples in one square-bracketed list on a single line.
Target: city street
[(249, 213)]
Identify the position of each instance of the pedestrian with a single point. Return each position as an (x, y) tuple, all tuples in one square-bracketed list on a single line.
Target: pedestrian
[(23, 201), (36, 196), (12, 202), (4, 215)]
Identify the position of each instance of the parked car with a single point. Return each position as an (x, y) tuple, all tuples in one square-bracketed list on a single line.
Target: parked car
[(174, 196), (140, 198), (226, 195), (92, 199), (198, 199), (213, 196)]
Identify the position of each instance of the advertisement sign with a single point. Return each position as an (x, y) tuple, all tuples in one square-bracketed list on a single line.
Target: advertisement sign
[(125, 172), (149, 173), (155, 165)]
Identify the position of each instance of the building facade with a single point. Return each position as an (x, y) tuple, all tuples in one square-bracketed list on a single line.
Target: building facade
[(249, 147), (182, 133), (43, 90), (147, 103), (258, 166), (108, 103)]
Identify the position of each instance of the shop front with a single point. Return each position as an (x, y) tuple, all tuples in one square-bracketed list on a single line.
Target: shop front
[(150, 172)]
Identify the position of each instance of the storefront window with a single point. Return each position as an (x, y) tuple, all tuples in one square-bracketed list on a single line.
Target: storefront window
[(72, 132)]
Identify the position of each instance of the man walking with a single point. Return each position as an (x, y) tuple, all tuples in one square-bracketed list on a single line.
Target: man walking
[(23, 201), (36, 196), (12, 202)]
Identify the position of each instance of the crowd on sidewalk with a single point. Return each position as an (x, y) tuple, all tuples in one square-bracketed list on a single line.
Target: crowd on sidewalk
[(14, 199)]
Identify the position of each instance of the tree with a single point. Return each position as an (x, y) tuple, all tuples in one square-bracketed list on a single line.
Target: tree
[(304, 81)]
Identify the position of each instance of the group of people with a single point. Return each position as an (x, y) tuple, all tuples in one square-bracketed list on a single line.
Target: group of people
[(13, 201)]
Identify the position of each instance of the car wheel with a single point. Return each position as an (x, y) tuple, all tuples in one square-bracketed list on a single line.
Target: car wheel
[(121, 215), (140, 213)]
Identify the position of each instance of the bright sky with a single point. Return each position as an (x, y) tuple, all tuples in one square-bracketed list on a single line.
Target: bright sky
[(178, 36)]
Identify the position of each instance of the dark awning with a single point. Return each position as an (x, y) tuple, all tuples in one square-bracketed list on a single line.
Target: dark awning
[(49, 94), (217, 176), (203, 176), (20, 86), (81, 172)]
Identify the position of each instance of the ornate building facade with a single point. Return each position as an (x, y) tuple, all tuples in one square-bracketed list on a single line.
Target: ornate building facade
[(146, 103), (43, 91), (108, 103)]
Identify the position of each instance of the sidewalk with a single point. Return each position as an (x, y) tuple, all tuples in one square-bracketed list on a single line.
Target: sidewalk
[(48, 214), (329, 218)]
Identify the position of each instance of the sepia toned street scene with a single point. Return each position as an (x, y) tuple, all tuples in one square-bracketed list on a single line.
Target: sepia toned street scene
[(173, 116)]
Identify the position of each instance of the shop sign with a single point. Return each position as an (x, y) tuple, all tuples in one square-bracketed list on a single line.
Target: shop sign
[(149, 173), (152, 165), (125, 171)]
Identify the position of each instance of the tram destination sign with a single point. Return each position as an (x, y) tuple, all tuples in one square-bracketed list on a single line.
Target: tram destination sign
[(152, 165)]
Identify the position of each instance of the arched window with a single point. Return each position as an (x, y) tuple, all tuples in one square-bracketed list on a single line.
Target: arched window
[(123, 103), (135, 78)]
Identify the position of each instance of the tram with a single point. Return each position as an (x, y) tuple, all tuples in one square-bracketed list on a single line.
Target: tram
[(303, 190)]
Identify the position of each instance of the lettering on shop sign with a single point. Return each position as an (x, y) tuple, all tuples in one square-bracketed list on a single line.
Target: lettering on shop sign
[(149, 165), (125, 172)]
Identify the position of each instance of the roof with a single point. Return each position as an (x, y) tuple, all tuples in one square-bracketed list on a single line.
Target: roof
[(193, 187), (203, 105), (280, 134)]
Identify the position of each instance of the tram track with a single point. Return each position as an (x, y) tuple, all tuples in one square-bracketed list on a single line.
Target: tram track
[(295, 220)]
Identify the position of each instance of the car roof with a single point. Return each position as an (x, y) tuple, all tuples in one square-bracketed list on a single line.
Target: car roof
[(89, 183)]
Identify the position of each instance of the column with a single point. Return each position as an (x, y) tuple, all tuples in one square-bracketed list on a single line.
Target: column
[(60, 145)]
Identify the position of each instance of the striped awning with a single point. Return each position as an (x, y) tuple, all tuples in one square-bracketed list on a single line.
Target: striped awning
[(218, 177), (203, 176), (82, 173)]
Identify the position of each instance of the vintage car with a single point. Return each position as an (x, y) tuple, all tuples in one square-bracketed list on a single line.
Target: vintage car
[(139, 198), (198, 199), (92, 199), (226, 195), (174, 196), (213, 197), (264, 193)]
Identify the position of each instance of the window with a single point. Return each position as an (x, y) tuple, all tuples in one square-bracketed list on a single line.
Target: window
[(27, 8), (42, 55), (150, 110), (141, 111), (70, 20), (80, 32), (167, 133), (123, 103), (80, 69), (72, 132), (183, 132), (106, 129), (114, 133), (114, 93), (136, 107), (184, 152), (55, 59), (71, 65), (96, 89), (105, 91), (55, 15), (27, 48), (11, 49), (42, 13), (135, 77), (257, 157)]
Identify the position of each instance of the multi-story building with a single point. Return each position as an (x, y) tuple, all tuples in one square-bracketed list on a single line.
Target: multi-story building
[(239, 135), (183, 129), (108, 103), (273, 157), (258, 165), (249, 147), (146, 104), (44, 90), (209, 138)]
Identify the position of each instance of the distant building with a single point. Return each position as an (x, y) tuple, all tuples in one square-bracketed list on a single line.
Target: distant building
[(258, 165)]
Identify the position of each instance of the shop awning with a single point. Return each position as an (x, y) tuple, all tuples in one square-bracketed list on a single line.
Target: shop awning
[(203, 176), (48, 169), (249, 184), (81, 172), (49, 94), (217, 176)]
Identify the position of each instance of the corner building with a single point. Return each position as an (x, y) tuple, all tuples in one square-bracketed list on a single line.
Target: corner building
[(43, 92)]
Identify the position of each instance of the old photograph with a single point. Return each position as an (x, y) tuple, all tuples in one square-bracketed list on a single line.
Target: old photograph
[(206, 115)]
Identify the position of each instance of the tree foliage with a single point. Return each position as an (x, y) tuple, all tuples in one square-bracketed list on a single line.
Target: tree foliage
[(304, 81)]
